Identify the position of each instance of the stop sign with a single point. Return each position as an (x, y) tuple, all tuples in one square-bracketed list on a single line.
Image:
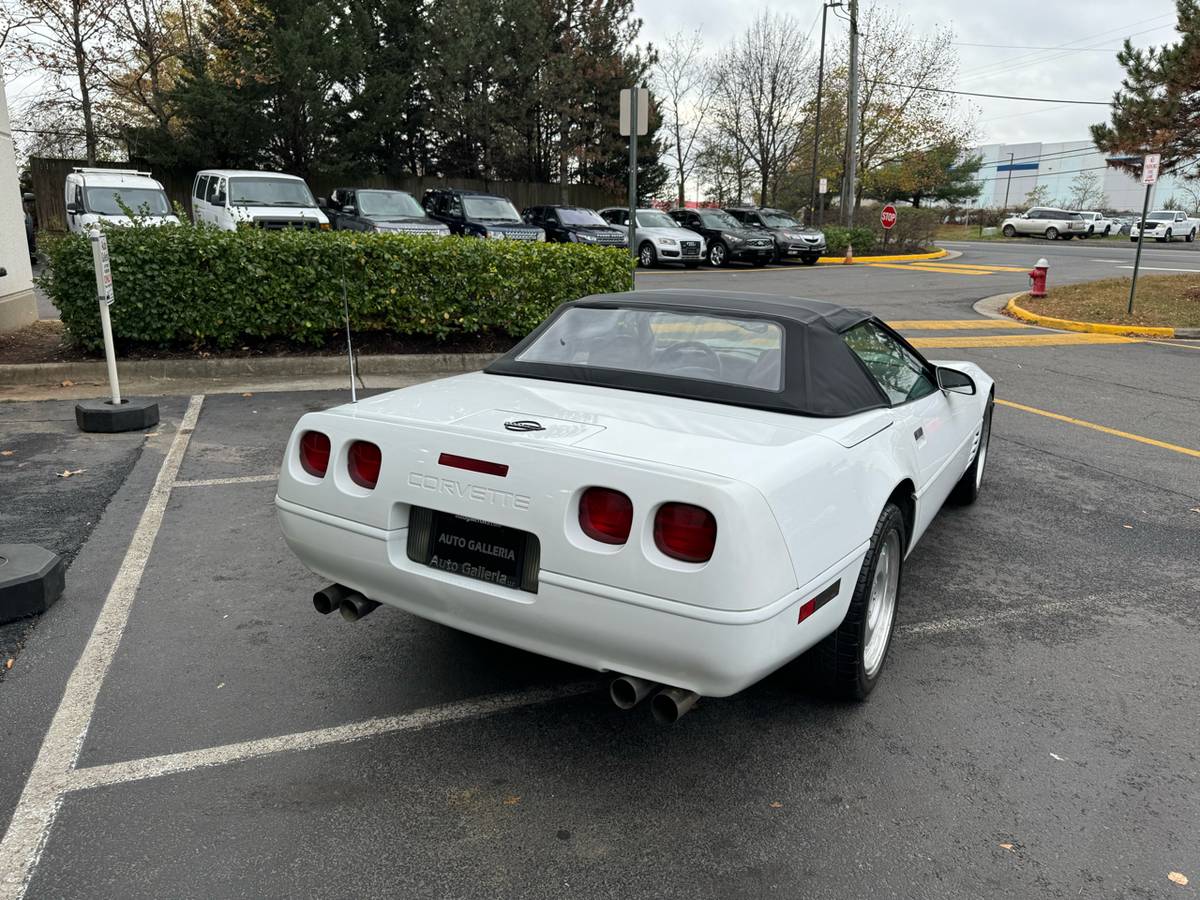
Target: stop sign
[(887, 217)]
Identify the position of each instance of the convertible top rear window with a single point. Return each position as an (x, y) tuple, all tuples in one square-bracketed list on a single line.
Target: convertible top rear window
[(735, 351)]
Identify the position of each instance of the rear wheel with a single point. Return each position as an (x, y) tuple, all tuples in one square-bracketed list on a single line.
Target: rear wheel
[(967, 489), (1051, 233), (1191, 236), (851, 659), (647, 256), (718, 255), (1008, 231)]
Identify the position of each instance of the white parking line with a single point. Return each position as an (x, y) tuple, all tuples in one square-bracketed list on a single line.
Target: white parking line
[(968, 623), (418, 720), (239, 479), (50, 776), (1160, 269)]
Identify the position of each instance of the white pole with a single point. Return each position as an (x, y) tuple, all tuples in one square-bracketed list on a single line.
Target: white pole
[(104, 296), (110, 354)]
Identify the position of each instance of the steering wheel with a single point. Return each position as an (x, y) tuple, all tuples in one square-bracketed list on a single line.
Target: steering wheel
[(686, 351)]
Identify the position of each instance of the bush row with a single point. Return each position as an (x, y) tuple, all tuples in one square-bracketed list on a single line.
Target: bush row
[(192, 286)]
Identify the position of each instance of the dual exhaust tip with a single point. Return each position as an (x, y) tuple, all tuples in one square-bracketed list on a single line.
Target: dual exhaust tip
[(352, 604), (668, 705)]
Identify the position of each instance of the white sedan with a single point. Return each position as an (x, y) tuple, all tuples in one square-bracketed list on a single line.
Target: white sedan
[(684, 489)]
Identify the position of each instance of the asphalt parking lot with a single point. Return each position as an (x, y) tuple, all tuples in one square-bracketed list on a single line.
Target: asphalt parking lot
[(183, 724)]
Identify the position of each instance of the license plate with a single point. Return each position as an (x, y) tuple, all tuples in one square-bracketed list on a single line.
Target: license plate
[(496, 554)]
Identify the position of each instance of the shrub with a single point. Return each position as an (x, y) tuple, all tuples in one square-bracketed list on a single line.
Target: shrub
[(838, 237), (191, 286)]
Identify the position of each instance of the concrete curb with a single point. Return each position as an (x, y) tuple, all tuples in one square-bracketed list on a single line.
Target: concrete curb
[(901, 257), (1017, 312), (417, 364)]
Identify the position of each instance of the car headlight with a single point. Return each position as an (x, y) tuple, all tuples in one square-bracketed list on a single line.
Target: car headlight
[(734, 239), (541, 235), (584, 238), (494, 235), (668, 242)]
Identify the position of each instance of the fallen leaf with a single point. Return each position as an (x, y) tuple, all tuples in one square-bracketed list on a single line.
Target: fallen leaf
[(8, 663), (221, 685), (1178, 877), (68, 383), (152, 434), (512, 801), (247, 394), (11, 452), (1127, 526), (775, 804), (1195, 509), (67, 473), (1006, 846), (1059, 758)]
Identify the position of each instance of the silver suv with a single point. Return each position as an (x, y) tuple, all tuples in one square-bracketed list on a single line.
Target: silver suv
[(1045, 222)]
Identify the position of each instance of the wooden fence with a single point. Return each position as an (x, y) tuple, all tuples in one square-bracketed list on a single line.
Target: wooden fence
[(49, 177)]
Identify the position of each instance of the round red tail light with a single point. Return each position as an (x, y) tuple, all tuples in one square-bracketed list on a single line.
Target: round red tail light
[(605, 515), (686, 532), (314, 453), (364, 461)]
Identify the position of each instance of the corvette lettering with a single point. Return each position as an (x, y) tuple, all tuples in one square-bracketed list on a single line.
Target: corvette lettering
[(476, 493)]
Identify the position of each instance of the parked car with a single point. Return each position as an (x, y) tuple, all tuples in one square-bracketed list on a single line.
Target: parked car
[(97, 195), (1097, 223), (371, 209), (658, 237), (728, 240), (793, 240), (1166, 225), (475, 214), (226, 198), (684, 489), (575, 224), (1047, 222)]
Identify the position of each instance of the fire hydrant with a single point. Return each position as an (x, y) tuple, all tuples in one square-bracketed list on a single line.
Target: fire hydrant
[(1037, 278)]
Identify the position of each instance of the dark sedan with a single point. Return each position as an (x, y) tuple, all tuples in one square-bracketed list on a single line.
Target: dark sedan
[(728, 240), (575, 225), (792, 239)]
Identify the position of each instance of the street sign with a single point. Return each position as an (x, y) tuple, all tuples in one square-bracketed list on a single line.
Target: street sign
[(643, 111), (823, 186), (887, 217), (104, 287), (1150, 168)]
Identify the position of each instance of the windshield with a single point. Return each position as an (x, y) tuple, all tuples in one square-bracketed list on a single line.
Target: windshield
[(143, 201), (779, 220), (269, 192), (569, 216), (655, 219), (1161, 217), (490, 208), (716, 219), (745, 352), (387, 204)]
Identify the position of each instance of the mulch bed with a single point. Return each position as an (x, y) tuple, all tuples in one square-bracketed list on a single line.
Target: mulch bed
[(46, 341)]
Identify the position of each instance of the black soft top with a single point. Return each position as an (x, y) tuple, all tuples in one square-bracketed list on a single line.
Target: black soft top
[(821, 375)]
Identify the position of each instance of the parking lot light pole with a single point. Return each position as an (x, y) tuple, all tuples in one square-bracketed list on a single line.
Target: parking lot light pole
[(1008, 185), (633, 136), (812, 212)]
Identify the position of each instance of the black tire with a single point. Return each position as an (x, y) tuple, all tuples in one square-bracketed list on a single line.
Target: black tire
[(967, 490), (718, 255), (1051, 233), (1107, 231), (1008, 231), (647, 255), (1191, 236), (839, 659), (810, 260)]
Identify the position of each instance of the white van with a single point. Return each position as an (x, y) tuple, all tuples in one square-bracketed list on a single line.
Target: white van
[(97, 195), (227, 197)]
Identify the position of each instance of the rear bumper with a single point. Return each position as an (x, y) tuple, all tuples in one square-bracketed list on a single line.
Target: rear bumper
[(711, 651)]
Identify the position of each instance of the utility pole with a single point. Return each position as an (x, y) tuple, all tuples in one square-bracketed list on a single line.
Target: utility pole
[(812, 212), (848, 186), (1011, 156)]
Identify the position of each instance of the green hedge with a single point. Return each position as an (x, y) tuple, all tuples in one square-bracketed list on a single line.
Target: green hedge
[(196, 286), (838, 237)]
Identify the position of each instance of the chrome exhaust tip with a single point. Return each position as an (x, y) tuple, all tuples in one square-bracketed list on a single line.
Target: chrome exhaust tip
[(671, 704), (355, 606), (627, 691), (330, 598)]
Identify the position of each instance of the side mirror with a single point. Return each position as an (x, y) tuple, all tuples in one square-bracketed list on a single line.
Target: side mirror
[(348, 210), (73, 208), (322, 202), (955, 381)]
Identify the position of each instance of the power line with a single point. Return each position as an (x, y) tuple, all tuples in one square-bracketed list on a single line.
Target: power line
[(1028, 47), (913, 87)]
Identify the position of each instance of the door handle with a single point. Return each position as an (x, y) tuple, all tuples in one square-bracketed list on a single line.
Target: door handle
[(918, 434)]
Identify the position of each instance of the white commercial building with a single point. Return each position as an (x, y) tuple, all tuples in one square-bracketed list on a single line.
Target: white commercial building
[(1010, 171), (18, 306)]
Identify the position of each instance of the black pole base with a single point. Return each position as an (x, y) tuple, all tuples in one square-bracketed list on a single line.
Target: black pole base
[(31, 579), (103, 416)]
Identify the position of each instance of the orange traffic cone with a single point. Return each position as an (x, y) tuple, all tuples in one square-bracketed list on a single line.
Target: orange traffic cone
[(849, 260)]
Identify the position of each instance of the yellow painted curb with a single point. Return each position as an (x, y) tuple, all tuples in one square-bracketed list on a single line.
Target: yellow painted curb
[(903, 257), (1033, 318)]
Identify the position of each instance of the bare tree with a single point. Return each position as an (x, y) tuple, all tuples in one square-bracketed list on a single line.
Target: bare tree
[(150, 41), (760, 96), (1087, 191), (68, 40), (681, 84)]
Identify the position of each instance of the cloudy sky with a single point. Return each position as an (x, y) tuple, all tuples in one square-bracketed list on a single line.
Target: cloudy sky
[(1084, 35)]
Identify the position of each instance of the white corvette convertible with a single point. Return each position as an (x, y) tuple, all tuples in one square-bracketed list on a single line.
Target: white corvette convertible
[(685, 489)]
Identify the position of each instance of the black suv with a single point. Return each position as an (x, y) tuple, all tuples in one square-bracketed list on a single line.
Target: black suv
[(728, 240), (369, 209), (792, 239), (575, 225), (475, 214)]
